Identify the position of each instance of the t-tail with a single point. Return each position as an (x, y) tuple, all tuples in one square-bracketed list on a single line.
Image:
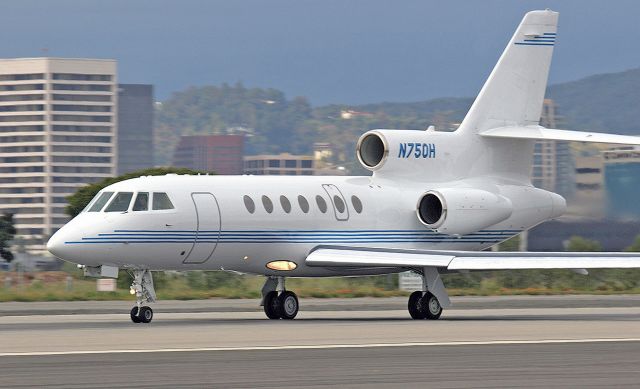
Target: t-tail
[(497, 136), (514, 92)]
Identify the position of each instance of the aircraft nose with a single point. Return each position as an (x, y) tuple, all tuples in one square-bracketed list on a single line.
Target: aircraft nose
[(55, 245)]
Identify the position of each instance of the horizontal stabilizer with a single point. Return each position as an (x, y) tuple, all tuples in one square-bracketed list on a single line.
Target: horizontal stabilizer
[(541, 133), (329, 256)]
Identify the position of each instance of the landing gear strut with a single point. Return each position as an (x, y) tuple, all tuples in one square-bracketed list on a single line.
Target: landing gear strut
[(430, 301), (278, 303), (142, 287)]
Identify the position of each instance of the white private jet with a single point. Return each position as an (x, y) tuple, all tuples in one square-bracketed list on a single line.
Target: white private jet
[(433, 202)]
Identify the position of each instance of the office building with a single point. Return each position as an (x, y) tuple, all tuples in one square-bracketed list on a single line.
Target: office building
[(221, 154), (135, 127), (553, 165), (57, 133), (622, 181), (280, 165)]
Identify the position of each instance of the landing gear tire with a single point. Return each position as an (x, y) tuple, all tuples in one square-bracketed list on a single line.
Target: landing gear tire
[(431, 306), (415, 306), (145, 314), (288, 305), (134, 315), (271, 308)]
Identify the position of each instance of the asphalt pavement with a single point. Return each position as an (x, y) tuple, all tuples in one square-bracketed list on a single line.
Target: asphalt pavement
[(546, 341)]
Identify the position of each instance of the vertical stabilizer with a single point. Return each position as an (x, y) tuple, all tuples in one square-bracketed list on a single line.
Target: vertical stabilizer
[(514, 91)]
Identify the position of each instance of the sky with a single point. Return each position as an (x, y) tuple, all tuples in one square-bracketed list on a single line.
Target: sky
[(332, 51)]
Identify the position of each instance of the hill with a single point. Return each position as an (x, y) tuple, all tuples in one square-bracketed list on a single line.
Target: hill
[(605, 102)]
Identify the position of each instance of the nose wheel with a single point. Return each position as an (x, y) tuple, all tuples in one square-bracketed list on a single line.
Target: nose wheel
[(144, 291)]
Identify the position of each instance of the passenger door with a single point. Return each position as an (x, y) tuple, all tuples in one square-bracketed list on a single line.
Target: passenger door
[(340, 208), (207, 228)]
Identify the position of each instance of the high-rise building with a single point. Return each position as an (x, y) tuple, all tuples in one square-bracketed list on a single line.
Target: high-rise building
[(283, 164), (553, 167), (135, 127), (57, 133), (221, 154)]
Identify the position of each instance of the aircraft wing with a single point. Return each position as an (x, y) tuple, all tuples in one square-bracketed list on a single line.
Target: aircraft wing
[(542, 133), (337, 256)]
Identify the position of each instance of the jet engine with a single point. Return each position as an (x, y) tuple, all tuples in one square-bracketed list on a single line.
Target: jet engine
[(460, 211)]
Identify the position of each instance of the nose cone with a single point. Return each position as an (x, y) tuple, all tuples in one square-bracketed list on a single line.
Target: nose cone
[(55, 245)]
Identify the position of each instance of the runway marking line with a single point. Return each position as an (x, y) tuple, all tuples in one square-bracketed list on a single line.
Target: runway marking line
[(320, 346)]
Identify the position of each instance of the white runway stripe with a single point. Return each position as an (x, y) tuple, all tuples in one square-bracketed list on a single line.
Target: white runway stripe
[(326, 346)]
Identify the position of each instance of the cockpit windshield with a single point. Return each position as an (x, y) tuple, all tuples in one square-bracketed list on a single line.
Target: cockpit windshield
[(100, 202), (120, 202), (161, 201), (144, 201)]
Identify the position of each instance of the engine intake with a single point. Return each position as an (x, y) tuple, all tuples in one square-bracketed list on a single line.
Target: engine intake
[(460, 211), (372, 150)]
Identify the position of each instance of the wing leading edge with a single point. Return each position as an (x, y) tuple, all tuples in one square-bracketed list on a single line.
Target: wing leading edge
[(330, 256)]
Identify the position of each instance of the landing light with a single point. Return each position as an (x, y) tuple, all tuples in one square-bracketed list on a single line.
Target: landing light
[(281, 265)]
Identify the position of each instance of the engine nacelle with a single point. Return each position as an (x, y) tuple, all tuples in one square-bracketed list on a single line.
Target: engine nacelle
[(399, 151), (460, 211)]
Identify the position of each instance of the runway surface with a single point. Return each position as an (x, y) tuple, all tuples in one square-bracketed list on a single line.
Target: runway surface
[(523, 343)]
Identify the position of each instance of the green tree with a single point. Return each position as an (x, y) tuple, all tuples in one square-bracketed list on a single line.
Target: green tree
[(79, 200), (635, 246), (512, 244), (7, 232), (578, 243)]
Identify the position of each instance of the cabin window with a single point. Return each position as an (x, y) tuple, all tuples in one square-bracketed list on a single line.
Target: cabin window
[(337, 201), (100, 202), (303, 203), (161, 201), (322, 204), (142, 202), (357, 204), (268, 205), (249, 204), (286, 205), (120, 202)]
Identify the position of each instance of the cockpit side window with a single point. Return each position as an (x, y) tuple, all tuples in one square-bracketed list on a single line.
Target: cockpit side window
[(142, 202), (120, 202), (100, 202), (161, 201)]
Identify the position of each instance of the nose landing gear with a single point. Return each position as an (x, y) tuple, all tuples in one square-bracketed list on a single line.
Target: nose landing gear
[(142, 287), (278, 303)]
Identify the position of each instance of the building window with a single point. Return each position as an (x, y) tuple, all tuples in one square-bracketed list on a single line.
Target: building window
[(290, 163), (274, 163), (307, 164), (249, 204)]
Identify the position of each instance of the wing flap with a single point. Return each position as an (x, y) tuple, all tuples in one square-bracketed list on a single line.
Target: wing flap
[(362, 257), (468, 260), (542, 133)]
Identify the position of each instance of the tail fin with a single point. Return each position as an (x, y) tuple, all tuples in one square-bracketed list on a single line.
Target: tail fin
[(513, 93)]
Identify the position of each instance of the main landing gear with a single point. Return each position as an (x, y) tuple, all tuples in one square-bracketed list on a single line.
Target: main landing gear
[(430, 301), (278, 303), (142, 287)]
